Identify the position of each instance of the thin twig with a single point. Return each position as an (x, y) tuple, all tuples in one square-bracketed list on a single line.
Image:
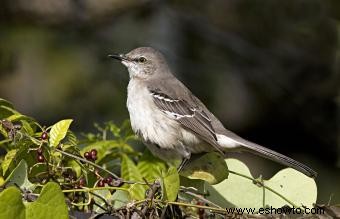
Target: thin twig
[(266, 187), (95, 189), (87, 161), (99, 167), (103, 199), (194, 206), (154, 187), (200, 198)]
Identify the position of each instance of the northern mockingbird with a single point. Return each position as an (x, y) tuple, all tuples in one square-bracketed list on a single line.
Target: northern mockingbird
[(172, 122)]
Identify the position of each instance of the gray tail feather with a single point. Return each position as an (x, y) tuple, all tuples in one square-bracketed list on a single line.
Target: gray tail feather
[(280, 158)]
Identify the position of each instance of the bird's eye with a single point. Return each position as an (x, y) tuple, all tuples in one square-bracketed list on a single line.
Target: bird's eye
[(142, 59)]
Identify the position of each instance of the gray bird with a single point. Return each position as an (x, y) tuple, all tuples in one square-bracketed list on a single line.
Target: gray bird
[(172, 122)]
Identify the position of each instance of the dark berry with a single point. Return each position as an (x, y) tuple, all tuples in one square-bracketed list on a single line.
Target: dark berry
[(94, 158), (40, 158), (93, 154), (100, 183), (44, 136), (40, 151), (87, 155), (109, 180)]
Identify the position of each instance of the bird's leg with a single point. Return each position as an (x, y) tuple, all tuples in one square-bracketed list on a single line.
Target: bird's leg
[(183, 150), (183, 163)]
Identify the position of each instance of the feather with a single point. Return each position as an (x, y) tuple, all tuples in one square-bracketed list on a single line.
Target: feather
[(190, 116)]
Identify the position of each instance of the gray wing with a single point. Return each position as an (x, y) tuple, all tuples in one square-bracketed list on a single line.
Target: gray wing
[(190, 116)]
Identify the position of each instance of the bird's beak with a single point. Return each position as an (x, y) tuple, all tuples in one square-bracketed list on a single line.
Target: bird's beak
[(120, 57)]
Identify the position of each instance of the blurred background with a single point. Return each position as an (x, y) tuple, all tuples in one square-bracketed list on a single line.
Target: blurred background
[(268, 69)]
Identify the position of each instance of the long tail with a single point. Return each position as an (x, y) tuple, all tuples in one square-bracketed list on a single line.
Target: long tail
[(270, 154), (280, 158)]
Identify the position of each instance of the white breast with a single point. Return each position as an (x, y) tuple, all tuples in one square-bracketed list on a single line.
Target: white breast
[(165, 137), (146, 120)]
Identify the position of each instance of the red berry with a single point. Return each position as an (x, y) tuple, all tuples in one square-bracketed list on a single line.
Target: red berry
[(93, 154), (109, 180), (40, 151), (40, 158), (87, 155), (44, 136), (100, 183), (94, 158)]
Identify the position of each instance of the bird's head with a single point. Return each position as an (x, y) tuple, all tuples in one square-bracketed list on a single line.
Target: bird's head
[(143, 62)]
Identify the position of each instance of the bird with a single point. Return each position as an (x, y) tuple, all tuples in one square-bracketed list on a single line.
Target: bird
[(172, 122)]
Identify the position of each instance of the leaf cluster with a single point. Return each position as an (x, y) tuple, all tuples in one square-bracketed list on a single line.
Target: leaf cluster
[(44, 173)]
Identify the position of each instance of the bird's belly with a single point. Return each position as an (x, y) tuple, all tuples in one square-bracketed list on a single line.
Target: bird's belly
[(148, 122), (164, 136)]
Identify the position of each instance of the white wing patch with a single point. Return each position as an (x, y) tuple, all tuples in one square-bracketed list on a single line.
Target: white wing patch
[(226, 142), (161, 97), (176, 115), (172, 114)]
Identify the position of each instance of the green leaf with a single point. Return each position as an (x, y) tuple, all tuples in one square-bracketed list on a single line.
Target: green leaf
[(130, 173), (17, 117), (170, 184), (27, 127), (71, 138), (3, 132), (150, 166), (114, 129), (291, 184), (11, 205), (4, 102), (120, 198), (76, 167), (101, 198), (294, 185), (59, 131), (50, 204), (198, 185), (9, 110), (23, 145), (8, 160), (19, 177), (4, 108), (209, 167)]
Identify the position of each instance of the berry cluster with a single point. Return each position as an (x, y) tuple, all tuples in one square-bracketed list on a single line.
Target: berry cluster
[(40, 156), (110, 182), (91, 155)]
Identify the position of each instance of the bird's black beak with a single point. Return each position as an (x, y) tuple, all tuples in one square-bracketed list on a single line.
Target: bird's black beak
[(120, 57)]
